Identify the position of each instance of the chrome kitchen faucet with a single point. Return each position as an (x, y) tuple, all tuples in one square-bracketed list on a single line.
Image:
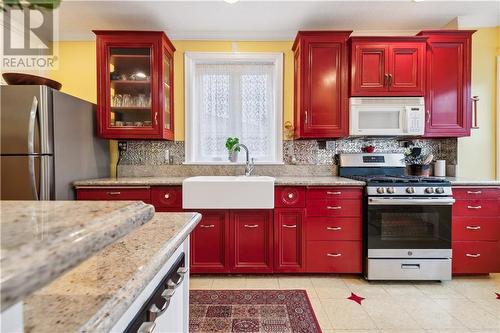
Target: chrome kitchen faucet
[(249, 165)]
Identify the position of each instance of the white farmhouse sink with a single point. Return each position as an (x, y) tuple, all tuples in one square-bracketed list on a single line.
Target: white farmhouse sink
[(228, 192)]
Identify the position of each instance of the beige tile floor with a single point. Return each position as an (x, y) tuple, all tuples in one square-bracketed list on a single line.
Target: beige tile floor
[(465, 304)]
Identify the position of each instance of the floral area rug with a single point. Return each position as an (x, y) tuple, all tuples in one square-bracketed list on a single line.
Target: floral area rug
[(251, 311)]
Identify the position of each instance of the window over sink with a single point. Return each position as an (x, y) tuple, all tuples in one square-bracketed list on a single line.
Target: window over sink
[(233, 95)]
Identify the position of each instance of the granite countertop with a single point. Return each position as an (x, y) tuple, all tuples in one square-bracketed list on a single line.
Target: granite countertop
[(40, 240), (146, 181), (458, 181), (94, 295)]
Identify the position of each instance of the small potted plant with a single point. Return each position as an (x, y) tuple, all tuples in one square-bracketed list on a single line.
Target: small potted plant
[(232, 154), (418, 164)]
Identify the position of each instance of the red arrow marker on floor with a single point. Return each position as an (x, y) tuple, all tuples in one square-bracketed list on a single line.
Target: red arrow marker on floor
[(357, 298)]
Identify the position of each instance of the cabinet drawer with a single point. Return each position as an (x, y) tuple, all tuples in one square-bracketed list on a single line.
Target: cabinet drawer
[(289, 196), (167, 197), (476, 228), (324, 193), (476, 208), (325, 228), (334, 208), (333, 257), (475, 257), (114, 193), (476, 193)]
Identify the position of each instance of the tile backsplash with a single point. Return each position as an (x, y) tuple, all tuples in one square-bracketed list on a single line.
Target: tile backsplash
[(295, 152)]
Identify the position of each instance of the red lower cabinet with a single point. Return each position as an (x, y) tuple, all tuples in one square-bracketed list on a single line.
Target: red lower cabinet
[(210, 243), (476, 257), (251, 241), (333, 257), (289, 240)]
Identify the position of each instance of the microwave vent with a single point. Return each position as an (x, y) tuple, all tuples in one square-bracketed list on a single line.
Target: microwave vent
[(387, 101)]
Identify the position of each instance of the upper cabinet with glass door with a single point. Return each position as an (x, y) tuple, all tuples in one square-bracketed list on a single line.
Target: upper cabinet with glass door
[(134, 85)]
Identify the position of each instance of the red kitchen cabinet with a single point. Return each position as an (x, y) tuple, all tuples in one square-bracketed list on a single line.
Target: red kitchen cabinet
[(289, 239), (251, 238), (166, 198), (321, 84), (387, 66), (130, 193), (334, 257), (210, 243), (448, 83), (476, 230), (134, 85)]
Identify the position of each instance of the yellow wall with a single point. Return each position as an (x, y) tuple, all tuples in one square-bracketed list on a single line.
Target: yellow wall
[(477, 153)]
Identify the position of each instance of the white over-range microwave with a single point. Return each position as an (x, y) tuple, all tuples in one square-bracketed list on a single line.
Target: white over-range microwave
[(386, 116)]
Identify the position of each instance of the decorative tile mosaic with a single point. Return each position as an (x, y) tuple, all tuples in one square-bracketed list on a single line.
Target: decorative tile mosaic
[(295, 152)]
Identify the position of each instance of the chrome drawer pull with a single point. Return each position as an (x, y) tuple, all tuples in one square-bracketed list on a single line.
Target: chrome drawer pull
[(114, 193), (475, 255), (474, 192), (474, 207), (289, 226), (333, 254), (334, 193), (251, 225), (167, 195), (473, 227), (334, 228), (147, 327), (333, 207), (207, 225)]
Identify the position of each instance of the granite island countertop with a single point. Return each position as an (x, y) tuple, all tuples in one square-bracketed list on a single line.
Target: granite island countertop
[(93, 296), (40, 240), (158, 181)]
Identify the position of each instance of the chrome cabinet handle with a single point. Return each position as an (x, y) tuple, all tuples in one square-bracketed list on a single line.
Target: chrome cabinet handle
[(167, 195), (251, 225), (147, 327), (334, 254), (333, 193), (290, 195), (306, 120), (475, 99), (333, 207), (473, 227), (289, 226), (114, 193), (334, 228), (474, 192), (390, 80), (428, 116), (154, 311), (386, 80), (473, 255), (156, 118), (474, 207), (207, 225)]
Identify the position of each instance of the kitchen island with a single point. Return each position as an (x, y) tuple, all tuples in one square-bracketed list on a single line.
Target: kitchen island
[(87, 262)]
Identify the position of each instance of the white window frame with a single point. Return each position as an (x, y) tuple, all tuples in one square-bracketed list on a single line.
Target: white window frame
[(191, 59)]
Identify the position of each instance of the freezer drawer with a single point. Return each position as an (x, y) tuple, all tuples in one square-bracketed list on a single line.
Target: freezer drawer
[(26, 177), (409, 269)]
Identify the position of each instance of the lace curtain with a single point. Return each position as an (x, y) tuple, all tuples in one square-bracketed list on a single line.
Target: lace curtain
[(234, 100)]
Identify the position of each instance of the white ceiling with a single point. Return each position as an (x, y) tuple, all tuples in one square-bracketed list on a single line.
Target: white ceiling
[(267, 20)]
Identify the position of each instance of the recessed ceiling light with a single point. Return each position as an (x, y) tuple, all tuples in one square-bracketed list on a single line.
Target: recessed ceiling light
[(231, 1)]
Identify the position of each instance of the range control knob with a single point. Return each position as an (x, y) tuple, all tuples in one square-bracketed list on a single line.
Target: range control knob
[(380, 190), (410, 190), (429, 190), (390, 190), (439, 190)]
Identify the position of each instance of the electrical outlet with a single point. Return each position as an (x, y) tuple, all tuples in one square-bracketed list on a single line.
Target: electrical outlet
[(322, 145), (122, 146)]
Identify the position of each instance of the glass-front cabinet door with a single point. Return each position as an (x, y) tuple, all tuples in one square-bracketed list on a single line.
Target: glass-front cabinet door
[(134, 85)]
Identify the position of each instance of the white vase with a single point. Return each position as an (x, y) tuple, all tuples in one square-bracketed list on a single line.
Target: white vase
[(233, 156)]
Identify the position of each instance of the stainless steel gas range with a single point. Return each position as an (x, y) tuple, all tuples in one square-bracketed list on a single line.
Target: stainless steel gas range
[(407, 223)]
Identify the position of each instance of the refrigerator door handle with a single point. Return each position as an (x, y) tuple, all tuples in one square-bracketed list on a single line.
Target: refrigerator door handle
[(31, 130), (31, 165)]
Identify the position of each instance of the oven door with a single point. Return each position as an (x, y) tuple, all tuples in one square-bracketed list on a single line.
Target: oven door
[(409, 227)]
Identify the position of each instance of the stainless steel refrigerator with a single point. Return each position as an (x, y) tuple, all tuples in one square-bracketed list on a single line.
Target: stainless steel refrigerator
[(48, 140)]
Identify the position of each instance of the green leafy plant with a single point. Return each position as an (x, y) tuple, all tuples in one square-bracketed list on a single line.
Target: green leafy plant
[(31, 4), (231, 142)]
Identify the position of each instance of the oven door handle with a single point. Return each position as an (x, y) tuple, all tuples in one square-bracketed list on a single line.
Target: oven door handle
[(411, 201)]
